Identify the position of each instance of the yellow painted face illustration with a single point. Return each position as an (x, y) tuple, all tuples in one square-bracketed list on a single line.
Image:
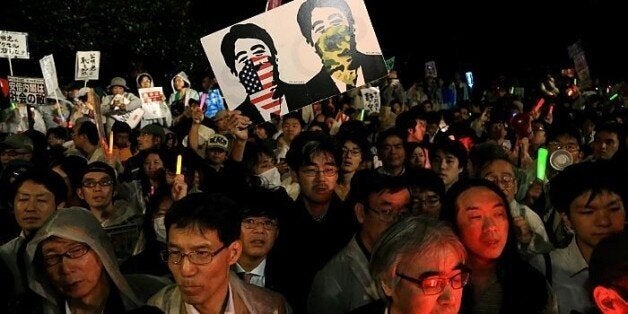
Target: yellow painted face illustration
[(334, 47)]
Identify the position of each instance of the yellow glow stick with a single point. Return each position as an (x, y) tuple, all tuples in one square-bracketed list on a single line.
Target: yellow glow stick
[(111, 142), (179, 162)]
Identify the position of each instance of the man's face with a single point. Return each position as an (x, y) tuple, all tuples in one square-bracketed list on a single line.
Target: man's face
[(32, 205), (568, 143), (216, 156), (383, 209), (332, 38), (121, 140), (198, 283), (101, 194), (258, 235), (290, 128), (605, 145), (10, 154), (145, 141), (426, 202), (54, 141), (76, 278), (483, 222), (594, 221), (501, 172), (393, 154), (152, 165), (447, 167), (418, 132), (351, 157), (325, 18), (316, 186), (409, 297)]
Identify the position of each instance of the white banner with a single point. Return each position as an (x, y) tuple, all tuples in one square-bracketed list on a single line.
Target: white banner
[(132, 118), (27, 90), (152, 98), (371, 99), (49, 71), (87, 65), (13, 45)]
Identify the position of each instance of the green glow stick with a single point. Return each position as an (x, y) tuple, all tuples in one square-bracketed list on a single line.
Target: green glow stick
[(541, 164), (614, 96), (361, 116)]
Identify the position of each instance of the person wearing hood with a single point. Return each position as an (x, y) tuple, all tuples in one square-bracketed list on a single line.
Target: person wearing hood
[(57, 110), (73, 268), (120, 101), (181, 94), (145, 80)]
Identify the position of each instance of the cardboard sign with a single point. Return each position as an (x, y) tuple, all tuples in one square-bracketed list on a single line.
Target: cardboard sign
[(371, 99), (152, 98), (430, 69), (291, 70), (27, 90), (13, 45), (132, 118), (49, 71), (87, 65)]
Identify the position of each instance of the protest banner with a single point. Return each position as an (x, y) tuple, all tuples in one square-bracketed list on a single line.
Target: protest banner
[(132, 118), (49, 71), (27, 90), (288, 72), (13, 45), (152, 98), (371, 99), (87, 65)]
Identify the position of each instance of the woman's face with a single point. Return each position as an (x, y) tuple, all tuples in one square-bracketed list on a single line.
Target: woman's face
[(145, 82), (152, 164), (483, 222), (417, 159), (351, 157)]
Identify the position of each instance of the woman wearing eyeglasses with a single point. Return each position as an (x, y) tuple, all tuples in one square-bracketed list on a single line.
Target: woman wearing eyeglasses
[(420, 267), (502, 282), (72, 266), (355, 155)]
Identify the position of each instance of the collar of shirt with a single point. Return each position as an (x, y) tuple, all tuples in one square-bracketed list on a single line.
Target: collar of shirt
[(229, 309), (257, 271), (572, 259)]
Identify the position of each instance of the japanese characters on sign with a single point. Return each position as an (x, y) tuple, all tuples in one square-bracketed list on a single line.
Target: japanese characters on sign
[(152, 98), (87, 65), (49, 70), (371, 99), (27, 90), (13, 45)]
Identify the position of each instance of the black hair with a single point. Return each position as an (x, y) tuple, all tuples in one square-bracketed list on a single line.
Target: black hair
[(389, 133), (304, 16), (308, 144), (51, 180), (368, 181), (452, 147), (73, 166), (294, 115), (58, 132), (243, 31), (204, 211), (361, 141), (121, 127), (582, 177), (88, 129), (99, 166), (322, 125)]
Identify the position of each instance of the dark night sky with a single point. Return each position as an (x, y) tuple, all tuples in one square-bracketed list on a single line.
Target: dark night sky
[(513, 38)]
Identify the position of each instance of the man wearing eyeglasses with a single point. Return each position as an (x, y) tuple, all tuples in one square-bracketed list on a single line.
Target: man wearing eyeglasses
[(203, 235), (531, 233), (259, 263), (319, 225), (345, 283), (420, 266), (119, 218)]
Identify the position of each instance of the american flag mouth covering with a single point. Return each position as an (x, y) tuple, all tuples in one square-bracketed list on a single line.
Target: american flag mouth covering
[(257, 78)]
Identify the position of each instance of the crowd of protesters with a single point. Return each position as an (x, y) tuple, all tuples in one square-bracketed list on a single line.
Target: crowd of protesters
[(436, 203)]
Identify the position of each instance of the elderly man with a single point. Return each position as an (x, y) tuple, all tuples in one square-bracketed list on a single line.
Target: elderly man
[(419, 266), (203, 243), (345, 283)]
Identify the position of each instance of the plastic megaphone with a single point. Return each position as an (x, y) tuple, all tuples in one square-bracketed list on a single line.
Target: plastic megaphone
[(560, 159)]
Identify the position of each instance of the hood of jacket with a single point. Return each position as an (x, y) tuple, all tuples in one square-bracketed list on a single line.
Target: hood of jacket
[(76, 224), (137, 79), (183, 76)]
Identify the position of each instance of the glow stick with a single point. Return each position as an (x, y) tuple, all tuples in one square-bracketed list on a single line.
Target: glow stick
[(541, 164), (539, 104), (179, 162), (111, 142)]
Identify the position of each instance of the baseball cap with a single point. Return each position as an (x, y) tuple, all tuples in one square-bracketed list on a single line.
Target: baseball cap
[(18, 141), (218, 141), (154, 129)]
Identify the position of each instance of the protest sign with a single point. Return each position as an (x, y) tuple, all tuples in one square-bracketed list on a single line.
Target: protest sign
[(152, 98), (49, 71), (87, 65), (13, 45), (371, 99), (132, 118), (27, 90)]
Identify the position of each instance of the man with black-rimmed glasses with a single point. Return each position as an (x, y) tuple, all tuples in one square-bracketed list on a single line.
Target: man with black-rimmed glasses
[(203, 235)]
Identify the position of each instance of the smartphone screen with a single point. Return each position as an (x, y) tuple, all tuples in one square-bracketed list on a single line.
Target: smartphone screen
[(213, 103)]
